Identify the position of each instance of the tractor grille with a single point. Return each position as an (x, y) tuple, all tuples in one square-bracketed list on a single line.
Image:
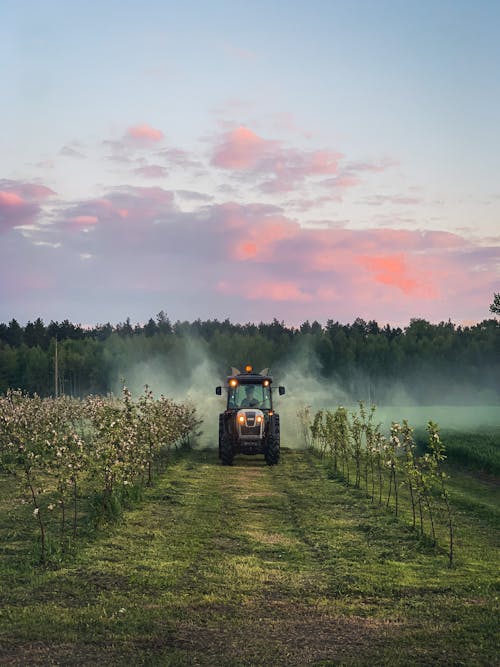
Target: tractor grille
[(250, 418), (250, 430)]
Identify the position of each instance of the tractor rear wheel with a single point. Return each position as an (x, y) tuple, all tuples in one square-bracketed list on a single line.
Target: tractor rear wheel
[(272, 451)]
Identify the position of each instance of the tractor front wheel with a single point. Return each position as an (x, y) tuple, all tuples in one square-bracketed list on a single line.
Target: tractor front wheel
[(226, 451), (272, 452)]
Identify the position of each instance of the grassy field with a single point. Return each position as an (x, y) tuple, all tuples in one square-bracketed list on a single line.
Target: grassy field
[(251, 565)]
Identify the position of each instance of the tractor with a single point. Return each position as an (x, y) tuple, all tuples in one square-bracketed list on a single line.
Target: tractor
[(249, 424)]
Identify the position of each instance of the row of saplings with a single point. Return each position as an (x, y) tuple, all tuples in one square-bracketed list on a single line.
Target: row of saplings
[(388, 468), (76, 459)]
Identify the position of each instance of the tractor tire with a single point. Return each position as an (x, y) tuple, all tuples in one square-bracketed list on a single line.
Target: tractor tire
[(272, 452), (221, 433), (226, 450)]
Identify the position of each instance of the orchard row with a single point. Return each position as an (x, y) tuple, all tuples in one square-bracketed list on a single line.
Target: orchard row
[(387, 467), (68, 454)]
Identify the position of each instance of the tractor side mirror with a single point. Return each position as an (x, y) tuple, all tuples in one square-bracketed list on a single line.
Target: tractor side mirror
[(218, 391), (281, 390)]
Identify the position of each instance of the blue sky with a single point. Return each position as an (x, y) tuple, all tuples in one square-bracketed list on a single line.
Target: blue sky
[(363, 128)]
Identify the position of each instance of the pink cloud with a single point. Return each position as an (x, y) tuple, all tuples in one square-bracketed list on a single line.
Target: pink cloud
[(391, 270), (254, 262), (10, 199), (388, 267), (85, 220), (33, 191), (252, 231), (339, 184), (279, 169), (246, 250), (136, 139), (240, 149), (342, 182), (127, 208), (144, 134), (324, 162), (21, 203), (28, 191)]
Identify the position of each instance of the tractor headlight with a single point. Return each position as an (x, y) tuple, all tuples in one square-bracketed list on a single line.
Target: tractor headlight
[(259, 419), (241, 419)]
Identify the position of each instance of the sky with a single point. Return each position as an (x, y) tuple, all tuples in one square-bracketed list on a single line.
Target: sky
[(250, 161)]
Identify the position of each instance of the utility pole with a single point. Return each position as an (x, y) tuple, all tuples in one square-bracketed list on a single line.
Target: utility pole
[(56, 373)]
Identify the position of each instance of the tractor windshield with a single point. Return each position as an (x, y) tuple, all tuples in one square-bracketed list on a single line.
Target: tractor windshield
[(249, 396)]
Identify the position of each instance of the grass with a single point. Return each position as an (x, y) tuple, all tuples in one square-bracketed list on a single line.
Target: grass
[(479, 450), (251, 565)]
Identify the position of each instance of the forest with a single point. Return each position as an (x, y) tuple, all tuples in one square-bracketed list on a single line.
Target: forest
[(444, 363)]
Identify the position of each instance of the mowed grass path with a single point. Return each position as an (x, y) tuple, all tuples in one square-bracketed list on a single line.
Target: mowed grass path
[(250, 565)]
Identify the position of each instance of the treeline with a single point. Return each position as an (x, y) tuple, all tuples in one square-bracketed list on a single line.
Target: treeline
[(425, 362)]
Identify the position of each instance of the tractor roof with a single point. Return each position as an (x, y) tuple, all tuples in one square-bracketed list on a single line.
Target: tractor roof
[(249, 376)]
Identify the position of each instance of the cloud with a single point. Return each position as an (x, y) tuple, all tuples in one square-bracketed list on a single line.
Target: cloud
[(192, 195), (135, 140), (151, 171), (176, 157), (275, 168), (358, 167), (141, 148), (391, 270), (120, 209), (144, 135), (30, 191), (21, 203), (380, 200), (241, 149), (251, 261), (10, 199), (84, 220), (120, 150), (261, 290), (68, 151)]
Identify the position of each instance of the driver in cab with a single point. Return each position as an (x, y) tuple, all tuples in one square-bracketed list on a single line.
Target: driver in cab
[(249, 401)]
